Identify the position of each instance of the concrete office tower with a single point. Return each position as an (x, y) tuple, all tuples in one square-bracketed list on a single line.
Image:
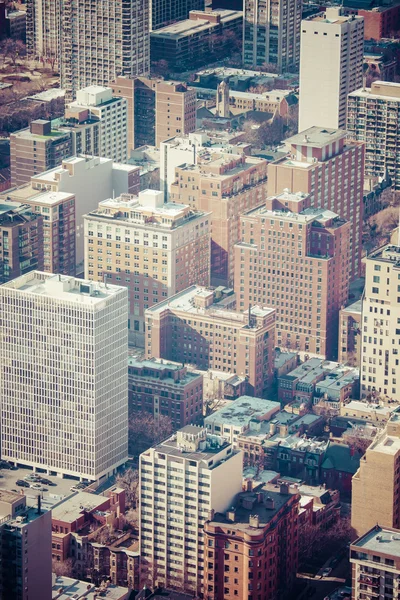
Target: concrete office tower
[(65, 397), (271, 34), (98, 102), (25, 548), (375, 486), (296, 259), (157, 109), (223, 100), (102, 40), (373, 117), (21, 240), (154, 249), (225, 185), (43, 28), (380, 352), (182, 480), (199, 326), (165, 12), (321, 163), (90, 180), (36, 149), (331, 66)]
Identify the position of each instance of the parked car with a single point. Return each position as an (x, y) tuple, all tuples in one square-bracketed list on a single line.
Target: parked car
[(46, 481), (38, 487), (326, 572), (22, 483), (32, 477)]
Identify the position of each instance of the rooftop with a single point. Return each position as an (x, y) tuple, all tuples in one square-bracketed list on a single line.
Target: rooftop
[(316, 137), (193, 26), (355, 307), (388, 254), (52, 175), (49, 198), (368, 407), (162, 365), (67, 588), (72, 507), (194, 443), (382, 90), (48, 95), (380, 540), (243, 410), (64, 288)]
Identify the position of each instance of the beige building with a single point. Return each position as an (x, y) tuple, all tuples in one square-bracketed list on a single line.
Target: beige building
[(157, 109), (200, 326), (43, 29), (181, 481), (375, 486), (321, 163), (225, 185), (374, 118), (271, 34), (332, 46), (375, 560), (154, 249), (381, 324), (296, 259)]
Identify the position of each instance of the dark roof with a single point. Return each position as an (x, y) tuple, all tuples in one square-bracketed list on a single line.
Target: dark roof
[(338, 457), (170, 594)]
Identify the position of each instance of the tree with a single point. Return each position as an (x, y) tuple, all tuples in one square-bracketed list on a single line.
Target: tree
[(316, 540), (129, 481), (358, 443), (145, 431), (160, 68), (63, 568)]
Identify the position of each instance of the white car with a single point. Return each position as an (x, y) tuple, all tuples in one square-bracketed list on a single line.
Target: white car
[(37, 486)]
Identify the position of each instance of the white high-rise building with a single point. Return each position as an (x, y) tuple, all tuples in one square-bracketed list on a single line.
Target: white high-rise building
[(43, 27), (182, 480), (380, 348), (63, 375), (101, 40), (271, 34), (331, 66)]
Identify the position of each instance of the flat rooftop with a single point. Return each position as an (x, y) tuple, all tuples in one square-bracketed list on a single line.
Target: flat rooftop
[(193, 26), (162, 365), (72, 507), (381, 90), (317, 137), (49, 198), (367, 407), (215, 446), (63, 287), (241, 411), (355, 307), (9, 497), (387, 254), (380, 540), (52, 174)]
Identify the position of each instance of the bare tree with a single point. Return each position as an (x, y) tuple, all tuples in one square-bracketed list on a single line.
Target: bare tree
[(129, 481), (145, 431), (63, 568)]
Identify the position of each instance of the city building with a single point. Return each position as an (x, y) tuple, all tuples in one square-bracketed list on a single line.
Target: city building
[(166, 249), (251, 550), (157, 109), (25, 548), (191, 149), (188, 44), (225, 185), (374, 118), (339, 467), (162, 387), (380, 323), (90, 180), (21, 245), (372, 503), (284, 362), (365, 410), (381, 19), (283, 241), (43, 29), (332, 45), (243, 79), (74, 418), (380, 66), (16, 24), (375, 562), (181, 481), (164, 13), (349, 344), (220, 388), (271, 36), (239, 416), (36, 149), (199, 326), (65, 587), (98, 102), (321, 163), (102, 40)]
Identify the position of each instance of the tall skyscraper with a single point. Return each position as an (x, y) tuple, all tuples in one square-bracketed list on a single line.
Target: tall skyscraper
[(63, 376), (181, 481), (321, 163), (380, 343), (331, 66), (101, 40), (373, 117), (43, 28), (295, 259), (271, 36), (165, 12), (376, 486)]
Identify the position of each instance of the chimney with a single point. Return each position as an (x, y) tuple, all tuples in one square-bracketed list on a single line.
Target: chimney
[(254, 521), (284, 488), (230, 515), (211, 514), (269, 503), (260, 497)]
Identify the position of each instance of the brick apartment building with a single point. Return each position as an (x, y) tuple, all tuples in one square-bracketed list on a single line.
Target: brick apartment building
[(21, 235), (321, 163), (296, 259), (251, 551), (157, 109), (199, 326), (154, 249), (225, 185), (37, 149), (165, 388)]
